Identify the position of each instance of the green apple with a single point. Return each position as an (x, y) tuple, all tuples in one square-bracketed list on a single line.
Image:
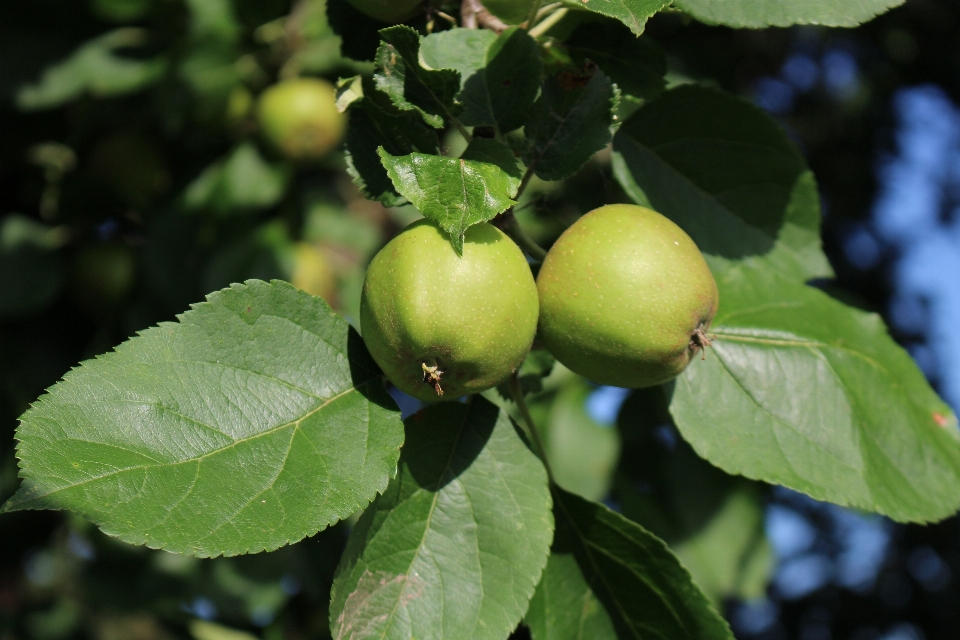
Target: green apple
[(300, 118), (312, 271), (626, 297), (441, 325), (389, 11)]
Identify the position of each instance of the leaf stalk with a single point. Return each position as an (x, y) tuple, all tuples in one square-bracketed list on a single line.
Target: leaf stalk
[(518, 398), (511, 226)]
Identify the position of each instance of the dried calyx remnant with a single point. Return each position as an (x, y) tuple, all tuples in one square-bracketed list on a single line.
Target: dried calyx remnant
[(431, 376), (700, 340)]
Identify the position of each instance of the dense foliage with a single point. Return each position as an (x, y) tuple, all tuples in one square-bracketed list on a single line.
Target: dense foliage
[(259, 418)]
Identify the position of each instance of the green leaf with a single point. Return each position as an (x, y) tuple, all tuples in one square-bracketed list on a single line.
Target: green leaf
[(453, 192), (455, 546), (213, 20), (711, 520), (728, 175), (763, 13), (803, 391), (30, 270), (609, 578), (498, 154), (410, 85), (464, 50), (730, 557), (94, 68), (569, 122), (637, 65), (244, 180), (374, 123), (255, 421), (501, 94), (582, 453), (633, 13)]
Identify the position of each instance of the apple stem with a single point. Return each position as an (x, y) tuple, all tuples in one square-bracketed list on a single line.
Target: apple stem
[(431, 376), (511, 226), (532, 16), (547, 23), (531, 429)]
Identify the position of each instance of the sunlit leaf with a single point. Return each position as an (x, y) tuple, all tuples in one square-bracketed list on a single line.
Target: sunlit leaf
[(609, 578), (728, 175), (783, 13), (633, 13), (804, 391), (410, 85), (456, 192), (255, 421), (455, 546)]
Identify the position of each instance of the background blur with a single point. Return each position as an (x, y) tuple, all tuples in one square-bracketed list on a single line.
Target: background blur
[(133, 181)]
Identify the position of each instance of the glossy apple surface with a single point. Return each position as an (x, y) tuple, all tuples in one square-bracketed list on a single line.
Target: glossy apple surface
[(472, 317), (626, 297)]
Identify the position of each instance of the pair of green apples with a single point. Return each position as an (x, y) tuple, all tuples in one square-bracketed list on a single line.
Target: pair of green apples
[(623, 298)]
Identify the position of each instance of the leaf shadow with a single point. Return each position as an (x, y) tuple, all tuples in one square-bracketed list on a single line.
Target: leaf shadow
[(661, 483), (366, 375), (444, 439)]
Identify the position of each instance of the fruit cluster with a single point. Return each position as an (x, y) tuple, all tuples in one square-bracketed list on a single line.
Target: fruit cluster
[(623, 298)]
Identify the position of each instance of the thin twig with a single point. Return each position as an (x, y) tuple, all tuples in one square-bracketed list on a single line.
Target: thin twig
[(546, 24), (517, 394), (532, 16), (473, 13), (511, 226), (468, 17)]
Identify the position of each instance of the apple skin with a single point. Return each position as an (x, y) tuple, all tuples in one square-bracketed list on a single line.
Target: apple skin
[(473, 316), (312, 272), (299, 118), (389, 11), (622, 294)]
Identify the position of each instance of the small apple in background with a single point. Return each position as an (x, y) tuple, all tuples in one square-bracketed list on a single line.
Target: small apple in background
[(299, 118)]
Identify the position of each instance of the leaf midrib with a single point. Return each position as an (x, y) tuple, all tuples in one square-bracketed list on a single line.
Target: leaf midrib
[(558, 499), (198, 459), (426, 528)]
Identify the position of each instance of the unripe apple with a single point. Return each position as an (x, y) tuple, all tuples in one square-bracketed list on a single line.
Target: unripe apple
[(389, 11), (312, 271), (626, 297), (300, 118), (442, 325)]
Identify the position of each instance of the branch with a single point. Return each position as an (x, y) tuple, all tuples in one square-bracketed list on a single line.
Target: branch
[(518, 398), (511, 226)]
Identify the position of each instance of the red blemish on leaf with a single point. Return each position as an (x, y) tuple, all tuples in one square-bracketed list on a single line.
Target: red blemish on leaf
[(940, 419)]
